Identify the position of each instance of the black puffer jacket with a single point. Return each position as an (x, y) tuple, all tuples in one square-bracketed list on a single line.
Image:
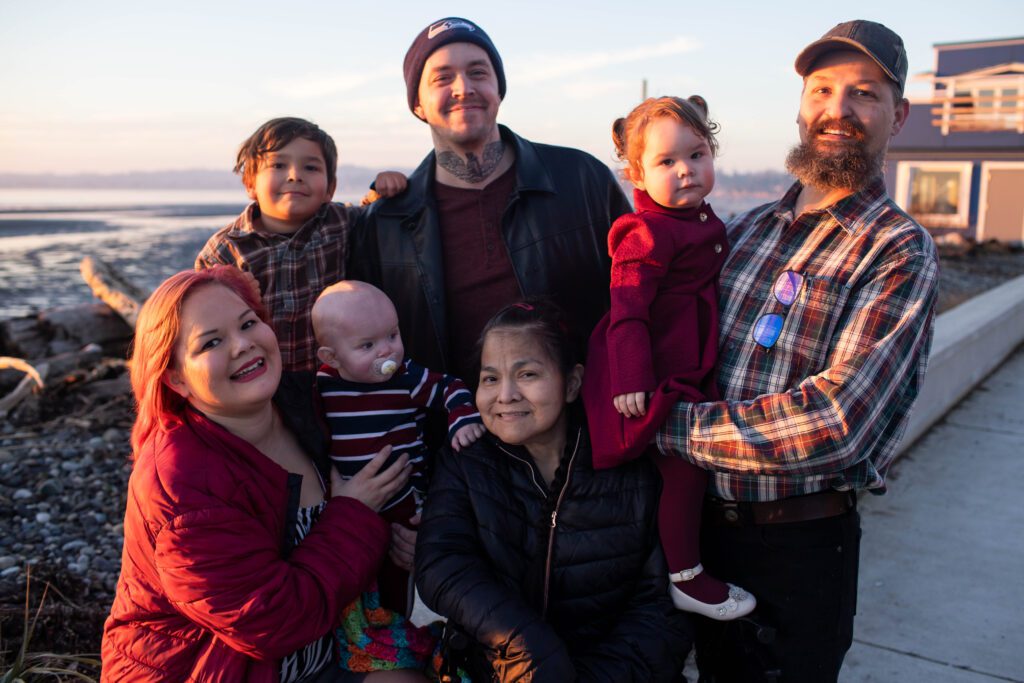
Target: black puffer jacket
[(555, 228), (561, 584)]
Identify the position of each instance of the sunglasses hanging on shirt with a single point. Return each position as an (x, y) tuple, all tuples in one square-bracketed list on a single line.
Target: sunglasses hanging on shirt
[(769, 326)]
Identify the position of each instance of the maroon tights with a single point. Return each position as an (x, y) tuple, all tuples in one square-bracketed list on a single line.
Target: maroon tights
[(682, 497)]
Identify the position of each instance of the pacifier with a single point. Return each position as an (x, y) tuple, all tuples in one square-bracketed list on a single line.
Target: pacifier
[(385, 367)]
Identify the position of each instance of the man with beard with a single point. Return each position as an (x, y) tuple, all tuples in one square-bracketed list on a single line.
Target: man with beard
[(826, 321), (488, 218)]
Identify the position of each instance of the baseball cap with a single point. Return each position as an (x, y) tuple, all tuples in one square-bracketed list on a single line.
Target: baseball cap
[(873, 39)]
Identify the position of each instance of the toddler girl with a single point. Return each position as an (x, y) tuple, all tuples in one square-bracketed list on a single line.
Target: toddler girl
[(658, 344)]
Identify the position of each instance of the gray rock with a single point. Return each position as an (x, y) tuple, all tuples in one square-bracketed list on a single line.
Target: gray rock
[(8, 561), (51, 487), (76, 544), (43, 517), (9, 572), (22, 494)]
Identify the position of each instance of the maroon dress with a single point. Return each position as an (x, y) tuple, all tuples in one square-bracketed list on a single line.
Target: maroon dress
[(661, 334)]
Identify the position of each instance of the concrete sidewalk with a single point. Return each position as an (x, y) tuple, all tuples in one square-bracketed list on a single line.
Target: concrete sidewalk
[(942, 558)]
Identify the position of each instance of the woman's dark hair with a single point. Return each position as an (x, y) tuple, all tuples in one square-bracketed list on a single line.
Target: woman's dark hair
[(542, 319)]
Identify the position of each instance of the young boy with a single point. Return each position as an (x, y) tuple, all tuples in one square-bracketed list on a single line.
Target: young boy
[(292, 238), (374, 397)]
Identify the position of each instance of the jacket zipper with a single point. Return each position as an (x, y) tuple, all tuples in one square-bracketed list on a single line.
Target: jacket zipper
[(554, 525), (554, 512), (529, 466)]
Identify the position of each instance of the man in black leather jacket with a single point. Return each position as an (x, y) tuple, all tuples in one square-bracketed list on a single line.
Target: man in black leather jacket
[(488, 217)]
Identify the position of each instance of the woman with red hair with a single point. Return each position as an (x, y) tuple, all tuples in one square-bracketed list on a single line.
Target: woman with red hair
[(241, 545)]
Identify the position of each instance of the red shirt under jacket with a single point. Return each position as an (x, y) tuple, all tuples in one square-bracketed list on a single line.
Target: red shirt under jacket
[(661, 334)]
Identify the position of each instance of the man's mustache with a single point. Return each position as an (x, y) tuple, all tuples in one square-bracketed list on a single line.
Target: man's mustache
[(846, 126), (465, 102)]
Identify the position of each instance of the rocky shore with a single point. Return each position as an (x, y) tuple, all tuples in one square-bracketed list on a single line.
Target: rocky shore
[(64, 466)]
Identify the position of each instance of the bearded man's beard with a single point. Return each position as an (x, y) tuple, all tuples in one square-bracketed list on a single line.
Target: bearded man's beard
[(848, 166)]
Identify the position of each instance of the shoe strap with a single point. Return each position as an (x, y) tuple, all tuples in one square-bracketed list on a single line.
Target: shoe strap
[(686, 574)]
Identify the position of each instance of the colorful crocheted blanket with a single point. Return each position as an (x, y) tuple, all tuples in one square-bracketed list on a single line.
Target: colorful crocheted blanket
[(375, 638)]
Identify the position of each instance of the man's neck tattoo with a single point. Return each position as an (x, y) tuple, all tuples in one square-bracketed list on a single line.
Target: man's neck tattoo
[(471, 169)]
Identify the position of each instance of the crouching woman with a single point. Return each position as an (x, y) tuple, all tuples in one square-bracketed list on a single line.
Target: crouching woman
[(241, 545), (551, 570)]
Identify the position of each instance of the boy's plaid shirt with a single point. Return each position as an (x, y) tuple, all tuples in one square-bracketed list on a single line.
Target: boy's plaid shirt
[(292, 270), (826, 406)]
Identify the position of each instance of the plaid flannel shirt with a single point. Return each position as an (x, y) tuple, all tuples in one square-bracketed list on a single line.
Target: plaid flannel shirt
[(826, 406), (292, 270)]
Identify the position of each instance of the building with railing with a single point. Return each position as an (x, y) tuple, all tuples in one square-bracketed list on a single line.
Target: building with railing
[(958, 163)]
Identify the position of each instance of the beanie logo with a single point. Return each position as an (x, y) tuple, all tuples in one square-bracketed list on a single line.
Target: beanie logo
[(448, 24)]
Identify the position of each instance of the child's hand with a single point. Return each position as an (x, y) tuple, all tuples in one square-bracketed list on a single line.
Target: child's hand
[(403, 543), (390, 183), (467, 435), (631, 405), (253, 283)]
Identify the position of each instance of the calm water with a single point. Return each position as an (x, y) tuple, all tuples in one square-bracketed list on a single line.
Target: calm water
[(146, 234)]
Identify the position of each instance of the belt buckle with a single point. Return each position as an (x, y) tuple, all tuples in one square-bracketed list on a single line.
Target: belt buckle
[(731, 512)]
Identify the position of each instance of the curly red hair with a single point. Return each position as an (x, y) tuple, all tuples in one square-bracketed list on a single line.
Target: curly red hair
[(629, 133), (158, 408)]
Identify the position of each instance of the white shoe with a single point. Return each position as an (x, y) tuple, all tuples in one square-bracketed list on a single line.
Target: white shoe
[(739, 603)]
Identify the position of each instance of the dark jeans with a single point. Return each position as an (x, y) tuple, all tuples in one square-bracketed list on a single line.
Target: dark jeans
[(804, 576)]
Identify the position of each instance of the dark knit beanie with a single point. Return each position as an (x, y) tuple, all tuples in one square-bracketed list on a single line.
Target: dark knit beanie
[(439, 34)]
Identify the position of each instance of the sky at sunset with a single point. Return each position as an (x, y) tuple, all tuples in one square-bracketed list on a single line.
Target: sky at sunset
[(129, 86)]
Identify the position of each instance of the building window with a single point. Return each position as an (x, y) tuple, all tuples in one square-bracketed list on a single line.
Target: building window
[(936, 194)]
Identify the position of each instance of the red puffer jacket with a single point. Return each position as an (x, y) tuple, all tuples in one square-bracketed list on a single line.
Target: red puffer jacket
[(211, 587)]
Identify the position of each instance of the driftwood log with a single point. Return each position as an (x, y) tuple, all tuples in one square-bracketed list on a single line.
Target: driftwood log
[(61, 341), (113, 289), (34, 379)]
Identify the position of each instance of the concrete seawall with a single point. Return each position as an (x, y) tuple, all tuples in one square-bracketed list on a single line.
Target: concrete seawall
[(970, 341)]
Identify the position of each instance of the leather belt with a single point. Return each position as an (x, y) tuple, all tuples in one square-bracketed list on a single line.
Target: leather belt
[(783, 511)]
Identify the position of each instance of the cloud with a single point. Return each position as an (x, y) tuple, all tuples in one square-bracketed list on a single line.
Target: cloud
[(547, 67)]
